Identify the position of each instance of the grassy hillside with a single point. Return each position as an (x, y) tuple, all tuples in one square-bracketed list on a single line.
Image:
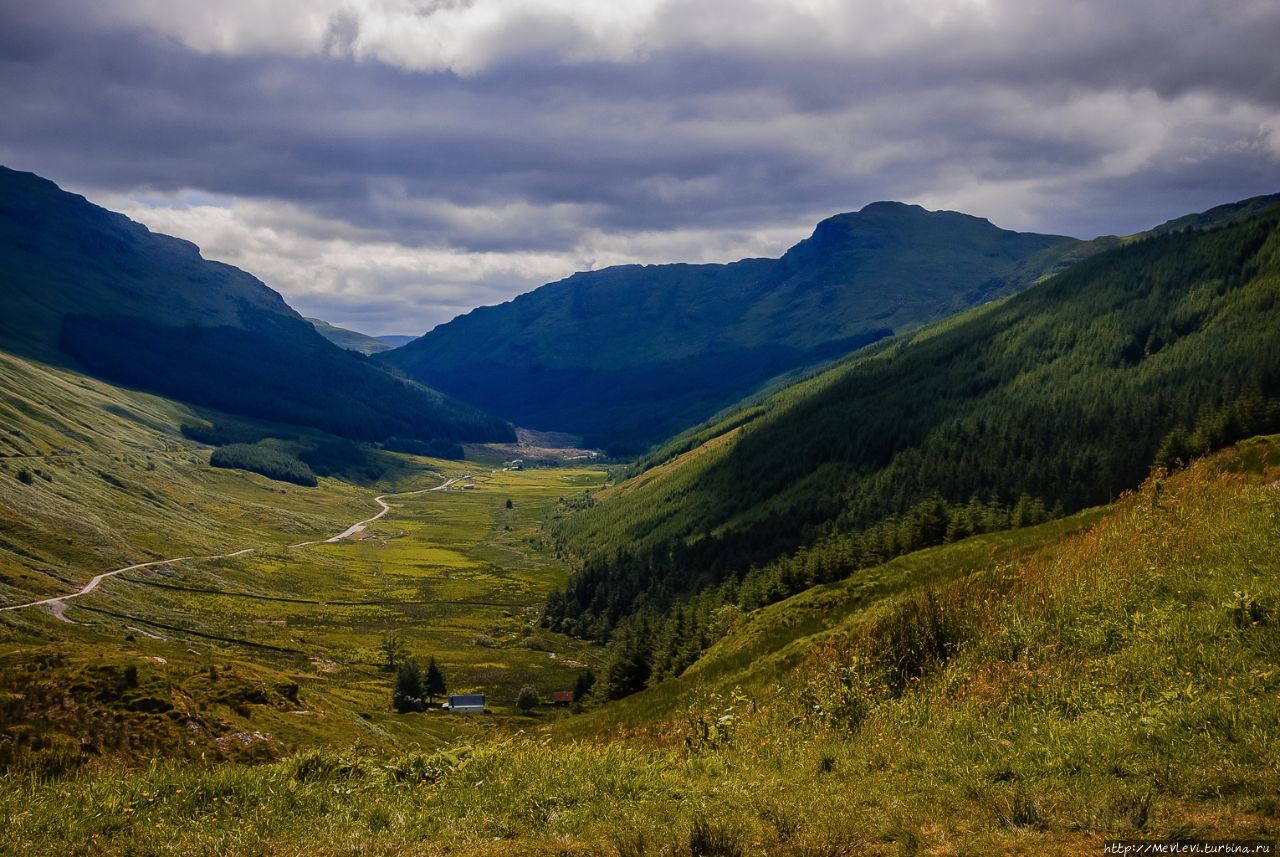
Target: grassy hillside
[(1116, 682), (1060, 397), (629, 355), (351, 340), (255, 654), (89, 287), (115, 482)]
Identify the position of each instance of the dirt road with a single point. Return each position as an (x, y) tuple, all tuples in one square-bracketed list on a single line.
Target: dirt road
[(58, 603)]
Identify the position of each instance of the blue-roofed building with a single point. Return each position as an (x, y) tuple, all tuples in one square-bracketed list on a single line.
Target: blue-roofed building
[(466, 702)]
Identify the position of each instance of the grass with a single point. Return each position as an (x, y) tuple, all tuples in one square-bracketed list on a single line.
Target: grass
[(124, 486), (252, 656), (1118, 681)]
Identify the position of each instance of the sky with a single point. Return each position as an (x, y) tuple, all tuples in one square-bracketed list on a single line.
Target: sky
[(389, 164)]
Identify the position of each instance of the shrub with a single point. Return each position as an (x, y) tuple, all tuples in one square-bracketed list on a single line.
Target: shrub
[(1245, 611), (922, 633), (527, 700), (393, 649), (25, 477), (585, 683), (707, 839), (310, 766), (713, 727)]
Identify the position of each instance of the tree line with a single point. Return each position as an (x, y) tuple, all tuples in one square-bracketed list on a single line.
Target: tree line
[(1057, 399)]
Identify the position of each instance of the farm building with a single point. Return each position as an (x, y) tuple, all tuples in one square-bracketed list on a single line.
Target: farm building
[(466, 702), (562, 697)]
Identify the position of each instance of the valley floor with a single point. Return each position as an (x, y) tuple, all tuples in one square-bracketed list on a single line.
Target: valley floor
[(268, 636), (1111, 678)]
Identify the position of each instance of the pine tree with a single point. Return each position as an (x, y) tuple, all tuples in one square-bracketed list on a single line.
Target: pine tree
[(407, 695), (393, 649), (583, 686), (434, 684)]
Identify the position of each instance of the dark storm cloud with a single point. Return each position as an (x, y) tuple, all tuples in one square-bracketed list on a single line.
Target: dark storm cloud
[(1078, 118)]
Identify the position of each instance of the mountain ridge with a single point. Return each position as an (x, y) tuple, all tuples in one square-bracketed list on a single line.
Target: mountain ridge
[(1062, 395), (689, 339), (92, 289), (351, 340)]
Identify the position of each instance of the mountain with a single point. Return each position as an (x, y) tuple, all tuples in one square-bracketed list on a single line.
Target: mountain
[(629, 355), (1058, 398), (89, 287), (1221, 215), (351, 340)]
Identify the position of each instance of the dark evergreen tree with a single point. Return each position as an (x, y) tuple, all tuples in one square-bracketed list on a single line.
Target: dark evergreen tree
[(408, 690), (433, 683), (583, 686)]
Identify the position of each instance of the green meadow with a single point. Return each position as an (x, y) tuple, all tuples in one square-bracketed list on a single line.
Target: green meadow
[(252, 656)]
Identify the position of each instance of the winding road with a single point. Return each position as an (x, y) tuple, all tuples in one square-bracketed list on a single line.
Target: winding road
[(58, 604)]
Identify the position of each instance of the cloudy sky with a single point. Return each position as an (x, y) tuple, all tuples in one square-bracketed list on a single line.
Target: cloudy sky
[(388, 164)]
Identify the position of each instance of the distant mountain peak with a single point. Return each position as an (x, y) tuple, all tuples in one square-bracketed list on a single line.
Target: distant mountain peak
[(626, 355), (892, 205)]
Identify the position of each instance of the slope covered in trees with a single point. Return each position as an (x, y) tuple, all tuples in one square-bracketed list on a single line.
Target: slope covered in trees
[(84, 283), (629, 355), (351, 340), (1059, 398)]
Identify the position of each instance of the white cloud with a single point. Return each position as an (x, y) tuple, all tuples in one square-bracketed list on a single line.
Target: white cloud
[(325, 269), (458, 35), (389, 163), (468, 36)]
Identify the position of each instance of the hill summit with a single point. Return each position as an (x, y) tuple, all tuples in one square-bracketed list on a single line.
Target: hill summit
[(628, 355)]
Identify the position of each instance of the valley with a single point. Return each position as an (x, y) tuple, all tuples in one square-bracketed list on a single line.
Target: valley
[(1099, 676), (287, 593), (1000, 580)]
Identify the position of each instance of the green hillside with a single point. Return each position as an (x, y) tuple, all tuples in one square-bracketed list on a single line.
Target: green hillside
[(246, 656), (1220, 215), (1055, 399), (1111, 677), (87, 287), (351, 340), (629, 355)]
